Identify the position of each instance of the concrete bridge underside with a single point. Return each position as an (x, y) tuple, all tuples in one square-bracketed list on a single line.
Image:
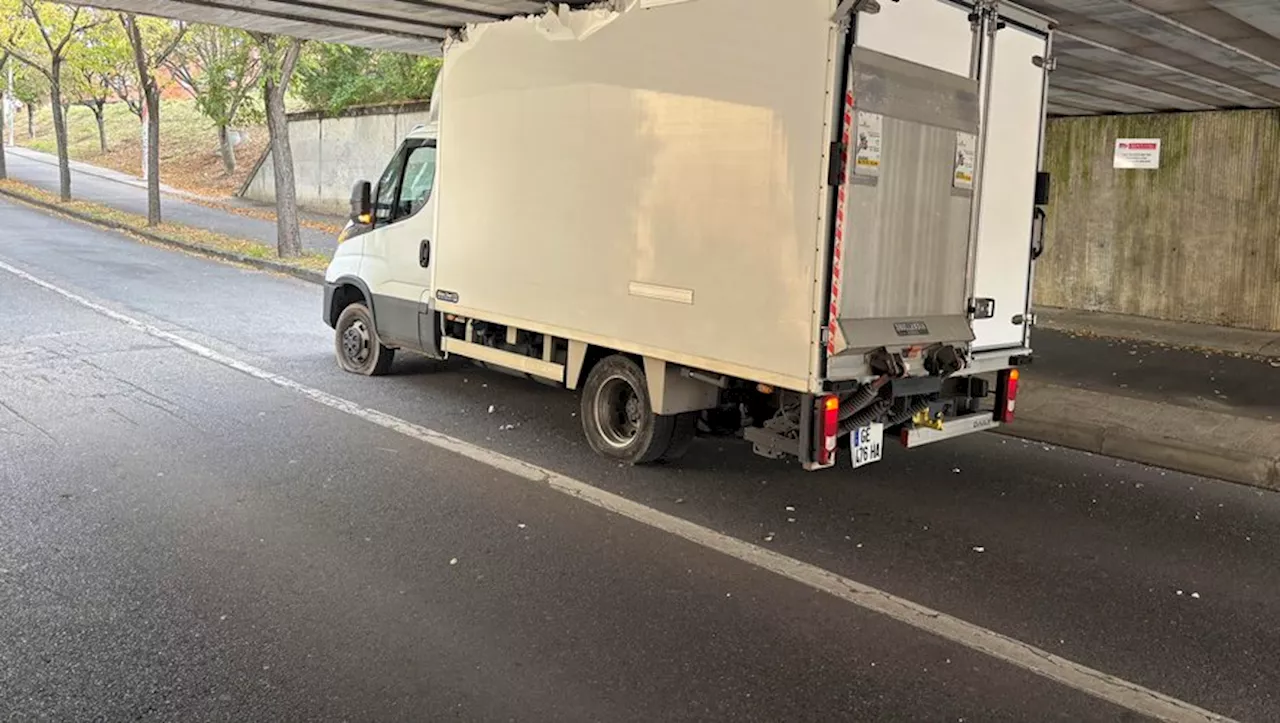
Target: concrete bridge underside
[(1114, 56)]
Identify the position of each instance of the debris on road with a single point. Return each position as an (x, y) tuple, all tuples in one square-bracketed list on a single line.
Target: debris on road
[(979, 549), (454, 561)]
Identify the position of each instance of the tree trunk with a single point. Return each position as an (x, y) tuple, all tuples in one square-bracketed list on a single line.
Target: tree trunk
[(4, 103), (31, 121), (152, 99), (151, 102), (4, 171), (60, 132), (99, 114), (228, 150), (288, 234)]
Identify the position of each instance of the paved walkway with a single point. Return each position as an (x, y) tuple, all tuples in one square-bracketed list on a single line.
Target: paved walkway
[(1195, 398), (129, 194), (1216, 369)]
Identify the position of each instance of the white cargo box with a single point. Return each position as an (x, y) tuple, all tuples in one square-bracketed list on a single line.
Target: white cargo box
[(659, 180)]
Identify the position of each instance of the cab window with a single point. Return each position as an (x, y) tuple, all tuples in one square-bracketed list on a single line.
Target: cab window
[(419, 177), (406, 185)]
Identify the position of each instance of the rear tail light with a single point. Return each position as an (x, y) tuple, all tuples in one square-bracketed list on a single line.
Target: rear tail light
[(1006, 395), (829, 430)]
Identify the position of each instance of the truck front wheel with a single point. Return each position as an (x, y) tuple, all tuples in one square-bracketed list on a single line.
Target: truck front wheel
[(618, 418), (356, 343)]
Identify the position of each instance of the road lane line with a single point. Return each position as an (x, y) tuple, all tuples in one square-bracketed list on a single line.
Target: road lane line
[(1041, 662)]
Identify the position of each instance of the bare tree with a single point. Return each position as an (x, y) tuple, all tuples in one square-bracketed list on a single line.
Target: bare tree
[(279, 59), (126, 89), (53, 32), (151, 48)]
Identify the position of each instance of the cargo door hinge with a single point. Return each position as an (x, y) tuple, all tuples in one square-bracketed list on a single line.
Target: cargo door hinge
[(1050, 64), (846, 9)]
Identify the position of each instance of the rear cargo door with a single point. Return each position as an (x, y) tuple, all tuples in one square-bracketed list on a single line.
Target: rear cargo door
[(904, 211), (1015, 123)]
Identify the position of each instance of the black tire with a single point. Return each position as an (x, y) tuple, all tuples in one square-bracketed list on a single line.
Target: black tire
[(617, 415), (682, 436), (355, 341)]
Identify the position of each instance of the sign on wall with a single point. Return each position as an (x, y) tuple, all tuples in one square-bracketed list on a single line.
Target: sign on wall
[(1137, 153)]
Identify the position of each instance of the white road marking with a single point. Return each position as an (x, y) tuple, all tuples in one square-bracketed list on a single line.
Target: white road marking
[(1002, 647)]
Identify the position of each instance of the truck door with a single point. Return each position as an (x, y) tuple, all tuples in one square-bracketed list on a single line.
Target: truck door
[(1015, 119), (399, 251), (904, 207)]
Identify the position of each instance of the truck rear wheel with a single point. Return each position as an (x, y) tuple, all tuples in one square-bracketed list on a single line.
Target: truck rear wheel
[(356, 343), (618, 418)]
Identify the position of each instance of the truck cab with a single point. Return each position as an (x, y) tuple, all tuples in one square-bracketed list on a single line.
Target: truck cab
[(384, 255)]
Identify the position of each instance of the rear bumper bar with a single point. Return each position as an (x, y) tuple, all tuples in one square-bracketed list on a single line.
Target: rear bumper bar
[(951, 428)]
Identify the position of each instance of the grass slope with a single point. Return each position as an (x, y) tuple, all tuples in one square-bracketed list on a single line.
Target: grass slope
[(188, 145)]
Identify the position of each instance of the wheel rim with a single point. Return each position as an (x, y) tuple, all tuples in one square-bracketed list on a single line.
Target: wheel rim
[(619, 412), (356, 343)]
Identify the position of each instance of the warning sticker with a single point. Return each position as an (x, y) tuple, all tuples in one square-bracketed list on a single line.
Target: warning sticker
[(870, 138), (966, 156), (1139, 153)]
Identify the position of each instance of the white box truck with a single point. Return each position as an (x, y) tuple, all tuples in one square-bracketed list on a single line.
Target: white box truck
[(796, 222)]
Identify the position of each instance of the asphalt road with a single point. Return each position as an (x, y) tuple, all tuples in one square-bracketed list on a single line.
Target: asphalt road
[(130, 198), (183, 541)]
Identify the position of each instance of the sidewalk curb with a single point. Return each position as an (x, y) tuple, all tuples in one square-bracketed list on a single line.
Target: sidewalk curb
[(314, 277), (1255, 470)]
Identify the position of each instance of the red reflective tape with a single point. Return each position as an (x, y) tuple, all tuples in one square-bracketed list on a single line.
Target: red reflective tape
[(842, 197)]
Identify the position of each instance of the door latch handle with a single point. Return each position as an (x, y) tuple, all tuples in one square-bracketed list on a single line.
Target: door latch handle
[(424, 254), (1038, 219)]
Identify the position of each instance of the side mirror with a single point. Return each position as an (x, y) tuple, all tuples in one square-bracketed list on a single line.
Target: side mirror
[(362, 203)]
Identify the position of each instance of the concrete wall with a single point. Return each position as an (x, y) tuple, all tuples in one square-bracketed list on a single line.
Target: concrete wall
[(332, 153), (1197, 240)]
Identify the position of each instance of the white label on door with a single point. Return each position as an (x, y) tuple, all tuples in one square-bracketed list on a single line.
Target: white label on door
[(966, 155), (869, 140)]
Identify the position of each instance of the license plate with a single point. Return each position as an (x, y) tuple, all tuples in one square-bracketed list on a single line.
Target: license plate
[(867, 444)]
